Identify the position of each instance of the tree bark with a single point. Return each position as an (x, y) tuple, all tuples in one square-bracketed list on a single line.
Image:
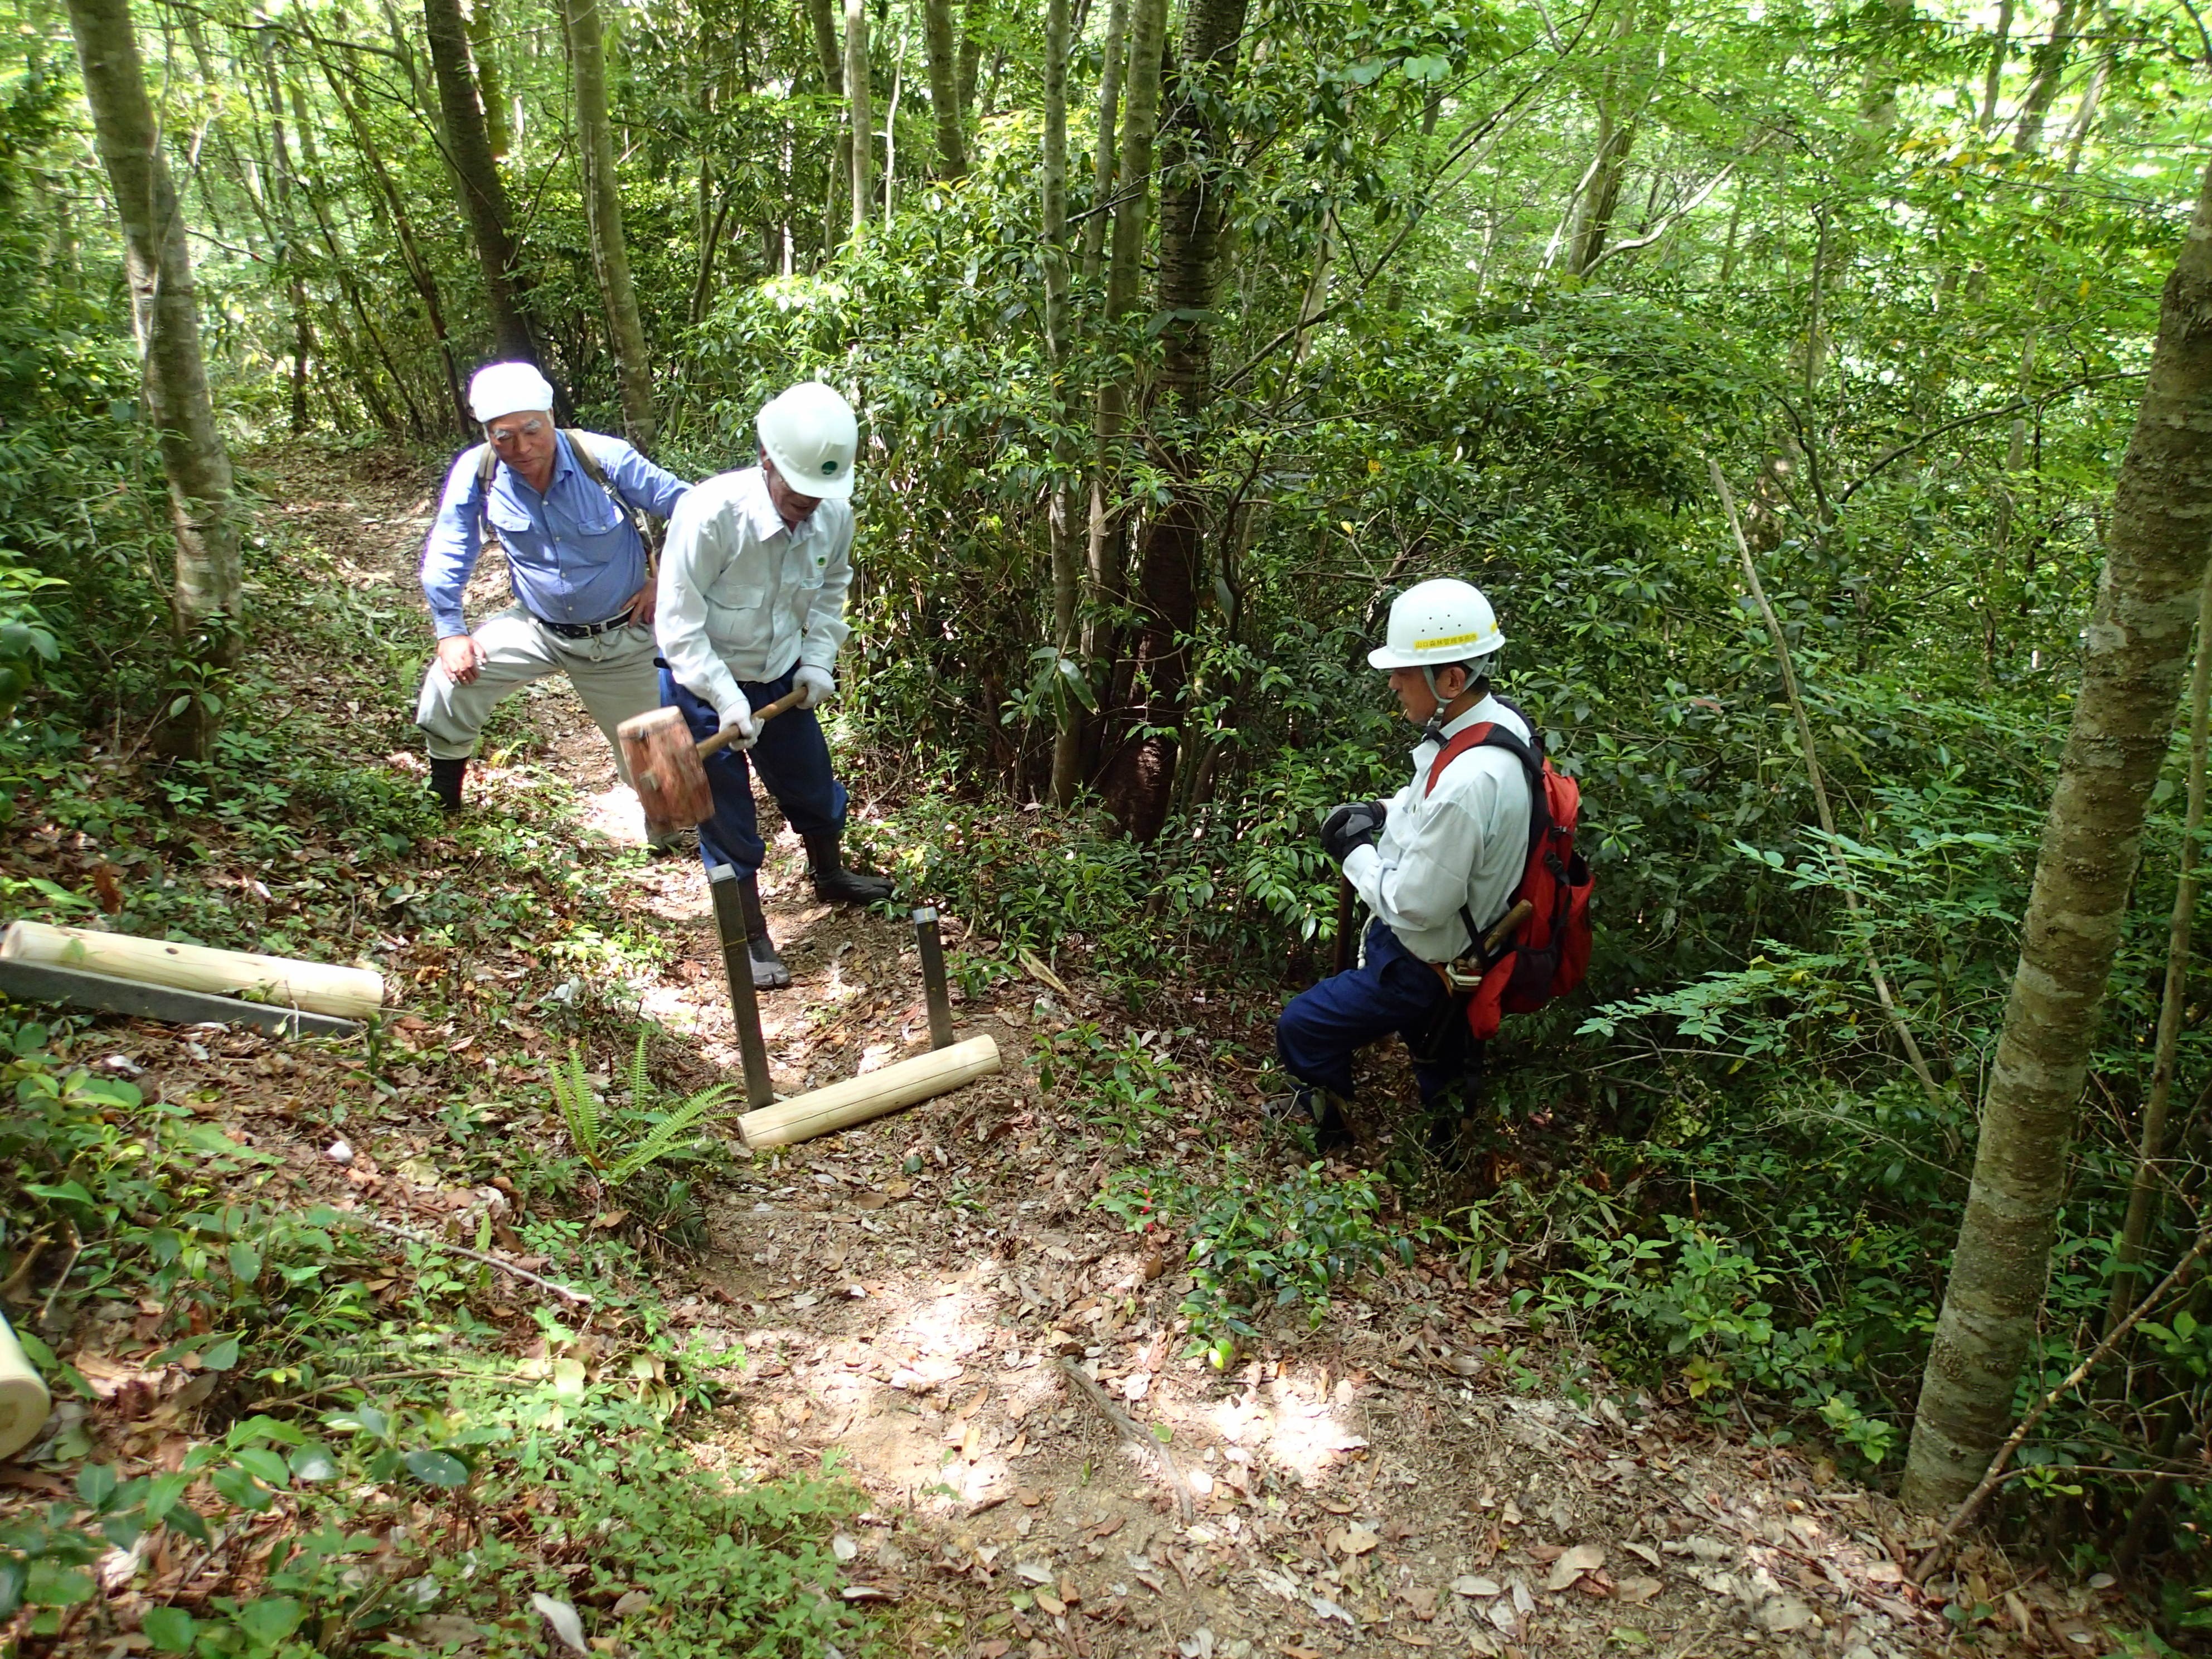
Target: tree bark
[(863, 116), (1066, 558), (483, 196), (974, 15), (603, 213), (1993, 80), (208, 603), (2138, 647), (1110, 109), (1140, 782), (945, 87), (483, 53)]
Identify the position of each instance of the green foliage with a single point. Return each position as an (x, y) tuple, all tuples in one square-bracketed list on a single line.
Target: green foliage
[(644, 1133), (1258, 1244)]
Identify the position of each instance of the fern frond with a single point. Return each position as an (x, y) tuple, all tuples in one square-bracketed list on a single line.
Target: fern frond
[(641, 1092), (671, 1132), (572, 1092)]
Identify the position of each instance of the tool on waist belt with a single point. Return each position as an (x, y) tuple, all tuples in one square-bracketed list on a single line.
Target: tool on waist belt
[(669, 771), (1465, 973)]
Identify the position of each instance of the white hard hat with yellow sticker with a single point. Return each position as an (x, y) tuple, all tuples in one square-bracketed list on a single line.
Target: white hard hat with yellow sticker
[(1436, 623)]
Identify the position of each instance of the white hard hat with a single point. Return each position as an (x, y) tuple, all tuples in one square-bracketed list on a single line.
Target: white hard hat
[(1436, 623), (500, 389), (810, 433)]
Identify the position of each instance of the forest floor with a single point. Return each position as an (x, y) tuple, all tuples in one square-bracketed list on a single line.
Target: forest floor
[(1415, 1472)]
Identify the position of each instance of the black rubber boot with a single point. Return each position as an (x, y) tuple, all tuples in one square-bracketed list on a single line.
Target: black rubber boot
[(833, 883), (446, 777), (1308, 1108), (768, 972)]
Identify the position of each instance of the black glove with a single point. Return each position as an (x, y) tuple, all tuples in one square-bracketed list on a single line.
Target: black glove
[(1356, 823)]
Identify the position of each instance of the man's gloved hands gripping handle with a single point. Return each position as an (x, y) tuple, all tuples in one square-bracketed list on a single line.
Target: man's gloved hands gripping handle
[(1356, 823)]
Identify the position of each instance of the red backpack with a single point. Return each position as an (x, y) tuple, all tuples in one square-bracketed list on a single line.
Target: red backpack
[(1550, 954)]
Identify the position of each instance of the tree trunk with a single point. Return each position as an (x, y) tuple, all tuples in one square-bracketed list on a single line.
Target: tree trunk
[(603, 213), (484, 42), (1109, 107), (1140, 782), (2050, 61), (1140, 115), (2138, 644), (975, 15), (863, 116), (1067, 561), (288, 229), (944, 87), (483, 198), (1993, 81), (207, 605)]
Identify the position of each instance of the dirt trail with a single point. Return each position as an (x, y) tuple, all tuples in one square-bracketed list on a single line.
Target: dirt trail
[(907, 1293)]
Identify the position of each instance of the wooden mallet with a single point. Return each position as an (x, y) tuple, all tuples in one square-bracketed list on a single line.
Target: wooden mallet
[(669, 771)]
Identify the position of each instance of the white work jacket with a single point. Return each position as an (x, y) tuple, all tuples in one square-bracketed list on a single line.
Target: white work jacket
[(1462, 846), (742, 596)]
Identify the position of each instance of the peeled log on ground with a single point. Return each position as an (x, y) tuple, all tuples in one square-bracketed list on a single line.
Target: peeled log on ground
[(857, 1099), (285, 981)]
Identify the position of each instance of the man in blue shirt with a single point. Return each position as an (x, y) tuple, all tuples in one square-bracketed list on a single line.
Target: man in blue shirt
[(584, 592)]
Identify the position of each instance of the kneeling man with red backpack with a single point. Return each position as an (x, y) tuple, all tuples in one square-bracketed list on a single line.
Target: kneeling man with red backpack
[(1481, 903)]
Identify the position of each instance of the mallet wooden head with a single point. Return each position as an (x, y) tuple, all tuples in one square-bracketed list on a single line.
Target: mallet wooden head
[(669, 771), (665, 771)]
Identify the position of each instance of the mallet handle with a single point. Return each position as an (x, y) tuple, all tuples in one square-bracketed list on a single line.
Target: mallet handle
[(728, 734)]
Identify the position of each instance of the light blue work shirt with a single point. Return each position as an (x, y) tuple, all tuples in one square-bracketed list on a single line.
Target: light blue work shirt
[(572, 554)]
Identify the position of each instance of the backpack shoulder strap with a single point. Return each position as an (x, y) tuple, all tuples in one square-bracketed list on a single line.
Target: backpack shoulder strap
[(586, 460)]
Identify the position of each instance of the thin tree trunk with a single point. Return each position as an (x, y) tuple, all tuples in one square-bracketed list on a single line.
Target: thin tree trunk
[(1110, 106), (1601, 196), (207, 604), (1140, 117), (603, 212), (1067, 557), (1139, 784), (288, 227), (2143, 1190), (2000, 51), (483, 196), (975, 15), (483, 41), (2050, 61), (411, 251), (2137, 644), (830, 56), (863, 116), (945, 87)]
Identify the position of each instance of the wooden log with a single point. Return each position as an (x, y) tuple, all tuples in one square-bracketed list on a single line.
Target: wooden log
[(24, 1402), (871, 1095), (40, 982), (347, 993)]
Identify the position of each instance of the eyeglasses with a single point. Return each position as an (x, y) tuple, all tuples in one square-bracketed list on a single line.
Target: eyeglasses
[(507, 434)]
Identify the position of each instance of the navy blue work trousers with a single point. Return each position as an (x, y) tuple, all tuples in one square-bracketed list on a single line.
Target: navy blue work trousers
[(791, 757), (1393, 990)]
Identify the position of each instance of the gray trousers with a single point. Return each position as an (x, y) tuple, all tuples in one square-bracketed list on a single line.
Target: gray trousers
[(612, 672)]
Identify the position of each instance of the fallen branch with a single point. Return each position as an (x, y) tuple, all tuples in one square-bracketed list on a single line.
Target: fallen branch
[(1087, 1386), (432, 1243), (1970, 1504)]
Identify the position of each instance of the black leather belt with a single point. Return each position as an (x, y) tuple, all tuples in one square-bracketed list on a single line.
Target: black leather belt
[(585, 630)]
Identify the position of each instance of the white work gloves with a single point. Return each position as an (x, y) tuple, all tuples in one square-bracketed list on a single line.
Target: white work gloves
[(816, 683), (739, 712)]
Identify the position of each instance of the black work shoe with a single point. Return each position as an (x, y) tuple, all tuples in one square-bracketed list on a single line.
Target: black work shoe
[(446, 777), (768, 972), (833, 883), (1318, 1110)]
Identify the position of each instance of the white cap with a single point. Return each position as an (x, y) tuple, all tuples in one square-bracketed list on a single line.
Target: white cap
[(1434, 624), (810, 433), (508, 389)]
